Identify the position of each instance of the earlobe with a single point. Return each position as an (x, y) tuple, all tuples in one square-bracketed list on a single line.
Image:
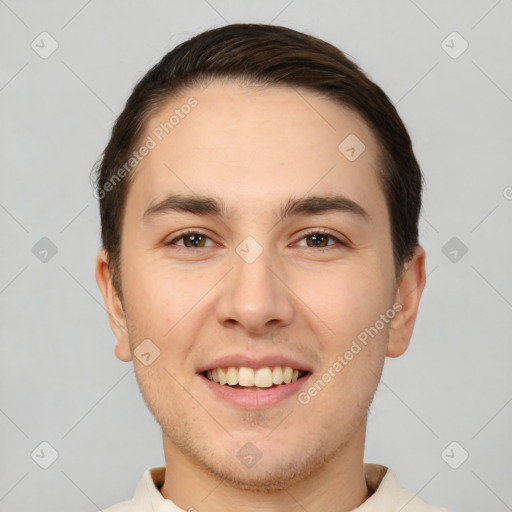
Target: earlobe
[(410, 288), (114, 306)]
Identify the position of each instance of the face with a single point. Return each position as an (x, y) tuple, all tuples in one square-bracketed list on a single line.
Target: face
[(252, 272)]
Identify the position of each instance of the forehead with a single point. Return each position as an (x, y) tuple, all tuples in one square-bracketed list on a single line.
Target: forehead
[(253, 143)]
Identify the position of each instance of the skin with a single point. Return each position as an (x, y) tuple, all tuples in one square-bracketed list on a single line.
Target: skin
[(255, 147)]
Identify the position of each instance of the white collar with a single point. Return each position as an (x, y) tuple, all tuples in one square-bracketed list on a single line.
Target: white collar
[(382, 483)]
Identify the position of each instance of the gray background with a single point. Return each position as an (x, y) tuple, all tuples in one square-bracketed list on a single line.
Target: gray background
[(60, 381)]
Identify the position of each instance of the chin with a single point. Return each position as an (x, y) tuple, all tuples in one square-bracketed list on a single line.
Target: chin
[(264, 479), (274, 471)]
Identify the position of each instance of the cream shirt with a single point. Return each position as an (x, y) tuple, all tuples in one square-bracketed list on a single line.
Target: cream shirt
[(387, 495)]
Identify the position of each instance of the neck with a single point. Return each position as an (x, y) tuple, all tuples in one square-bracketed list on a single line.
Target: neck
[(338, 485)]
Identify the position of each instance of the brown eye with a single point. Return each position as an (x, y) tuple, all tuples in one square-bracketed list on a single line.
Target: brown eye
[(191, 240), (320, 239)]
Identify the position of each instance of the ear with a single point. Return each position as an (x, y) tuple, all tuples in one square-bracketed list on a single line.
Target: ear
[(116, 315), (408, 296)]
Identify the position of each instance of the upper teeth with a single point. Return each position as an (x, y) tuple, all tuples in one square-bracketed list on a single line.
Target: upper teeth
[(261, 377)]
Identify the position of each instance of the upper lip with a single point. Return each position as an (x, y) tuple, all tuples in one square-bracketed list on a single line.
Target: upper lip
[(239, 360)]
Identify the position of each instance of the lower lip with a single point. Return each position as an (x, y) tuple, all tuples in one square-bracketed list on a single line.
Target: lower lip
[(261, 399)]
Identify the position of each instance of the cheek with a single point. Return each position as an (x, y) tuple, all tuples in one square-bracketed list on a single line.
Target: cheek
[(345, 300), (163, 302), (160, 295)]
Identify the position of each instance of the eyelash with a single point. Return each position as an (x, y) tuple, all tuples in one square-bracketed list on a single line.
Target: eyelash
[(188, 232)]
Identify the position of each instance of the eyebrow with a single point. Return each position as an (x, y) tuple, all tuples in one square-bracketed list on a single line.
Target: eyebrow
[(204, 206)]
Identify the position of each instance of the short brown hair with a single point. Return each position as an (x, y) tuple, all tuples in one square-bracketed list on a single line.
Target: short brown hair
[(268, 55)]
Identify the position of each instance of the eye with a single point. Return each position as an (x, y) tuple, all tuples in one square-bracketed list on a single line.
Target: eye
[(319, 238), (191, 239)]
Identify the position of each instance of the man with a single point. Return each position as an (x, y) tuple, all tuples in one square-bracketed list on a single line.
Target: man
[(259, 202)]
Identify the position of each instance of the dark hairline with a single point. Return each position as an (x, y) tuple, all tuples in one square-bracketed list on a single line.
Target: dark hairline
[(246, 81), (276, 56)]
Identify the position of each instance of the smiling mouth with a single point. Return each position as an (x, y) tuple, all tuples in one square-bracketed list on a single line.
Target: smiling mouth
[(254, 379)]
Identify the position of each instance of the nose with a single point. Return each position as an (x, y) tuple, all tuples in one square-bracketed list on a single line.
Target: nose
[(255, 296)]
